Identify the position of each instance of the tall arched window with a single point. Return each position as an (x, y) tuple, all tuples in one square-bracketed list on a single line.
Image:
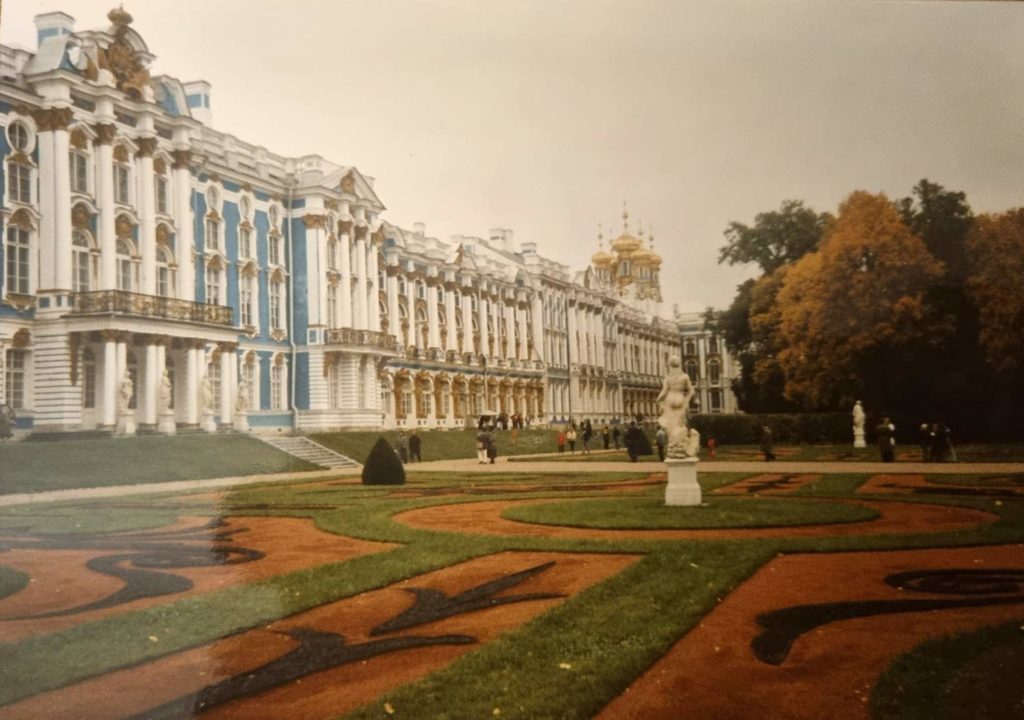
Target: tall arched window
[(125, 269), (18, 255), (122, 175), (332, 305), (164, 271), (714, 371), (81, 261), (88, 379), (19, 164), (214, 282), (278, 380)]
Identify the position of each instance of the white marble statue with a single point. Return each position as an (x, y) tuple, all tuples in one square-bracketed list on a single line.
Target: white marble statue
[(124, 394), (693, 443), (242, 398), (206, 394), (165, 392), (675, 396), (858, 425)]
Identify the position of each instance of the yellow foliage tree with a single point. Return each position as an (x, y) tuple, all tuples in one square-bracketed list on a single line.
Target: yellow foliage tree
[(847, 311), (996, 249)]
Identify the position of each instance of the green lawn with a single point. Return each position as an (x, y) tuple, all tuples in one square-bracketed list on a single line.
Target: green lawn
[(441, 444), (608, 635), (62, 464)]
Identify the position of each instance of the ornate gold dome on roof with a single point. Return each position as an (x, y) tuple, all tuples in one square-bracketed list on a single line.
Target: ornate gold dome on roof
[(655, 258), (601, 258), (120, 16), (626, 243)]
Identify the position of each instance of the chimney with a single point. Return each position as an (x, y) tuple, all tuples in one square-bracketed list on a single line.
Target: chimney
[(529, 248), (419, 228), (197, 93), (52, 24), (503, 239)]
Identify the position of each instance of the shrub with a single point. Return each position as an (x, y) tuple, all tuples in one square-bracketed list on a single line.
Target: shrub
[(382, 466), (822, 428)]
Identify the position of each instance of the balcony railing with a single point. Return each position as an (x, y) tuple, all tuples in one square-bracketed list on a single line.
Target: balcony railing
[(351, 336), (150, 306)]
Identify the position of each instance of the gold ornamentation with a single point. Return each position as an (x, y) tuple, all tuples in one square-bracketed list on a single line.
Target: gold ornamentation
[(181, 159), (22, 339), (348, 184), (360, 232), (79, 140), (51, 119), (121, 154), (345, 227), (105, 133), (160, 166), (80, 217), (21, 219), (146, 147), (163, 235), (130, 75), (123, 226), (313, 221)]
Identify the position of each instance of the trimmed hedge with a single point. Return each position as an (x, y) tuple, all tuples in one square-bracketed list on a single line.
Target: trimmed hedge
[(382, 466), (787, 428)]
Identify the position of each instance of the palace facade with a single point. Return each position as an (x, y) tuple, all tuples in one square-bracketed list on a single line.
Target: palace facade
[(157, 268)]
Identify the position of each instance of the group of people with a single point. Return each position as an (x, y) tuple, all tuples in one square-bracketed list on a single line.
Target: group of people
[(409, 447), (936, 443), (486, 447), (503, 421)]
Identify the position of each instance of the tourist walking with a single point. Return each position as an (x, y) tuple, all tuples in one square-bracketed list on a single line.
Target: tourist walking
[(606, 436), (886, 438), (492, 447), (6, 421), (415, 445), (588, 433), (402, 445), (481, 447), (571, 437), (712, 447), (561, 442), (636, 442), (925, 439), (661, 438), (767, 443), (617, 437)]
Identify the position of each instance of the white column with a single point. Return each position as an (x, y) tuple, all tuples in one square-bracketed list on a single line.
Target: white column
[(467, 325), (394, 325), (184, 239), (537, 318), (344, 246), (110, 378), (193, 369), (106, 234), (150, 384), (359, 312), (54, 201), (510, 326), (227, 389), (410, 303), (451, 338), (373, 301), (147, 216), (315, 265), (524, 349), (482, 319), (573, 354), (495, 308), (433, 329)]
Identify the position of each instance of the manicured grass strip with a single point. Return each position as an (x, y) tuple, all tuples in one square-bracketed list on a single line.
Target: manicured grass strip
[(841, 485), (85, 518), (629, 513), (571, 661), (973, 675), (100, 462), (12, 581), (989, 481), (441, 444)]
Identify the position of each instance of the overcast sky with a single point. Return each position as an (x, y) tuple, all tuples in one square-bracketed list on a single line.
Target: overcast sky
[(544, 115)]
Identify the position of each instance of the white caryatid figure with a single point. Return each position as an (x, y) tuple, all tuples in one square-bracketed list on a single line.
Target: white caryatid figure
[(675, 396), (858, 425)]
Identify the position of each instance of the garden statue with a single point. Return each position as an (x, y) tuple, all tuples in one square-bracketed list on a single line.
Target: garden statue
[(858, 425), (165, 392), (242, 399), (675, 397), (124, 394), (206, 394)]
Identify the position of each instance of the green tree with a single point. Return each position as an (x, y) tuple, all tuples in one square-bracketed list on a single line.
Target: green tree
[(851, 314), (776, 238)]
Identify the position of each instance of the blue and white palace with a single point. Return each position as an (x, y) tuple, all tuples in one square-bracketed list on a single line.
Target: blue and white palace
[(160, 274)]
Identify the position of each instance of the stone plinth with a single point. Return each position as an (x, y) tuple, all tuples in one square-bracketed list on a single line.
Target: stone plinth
[(682, 482), (166, 425), (126, 423), (241, 422), (858, 438), (208, 424)]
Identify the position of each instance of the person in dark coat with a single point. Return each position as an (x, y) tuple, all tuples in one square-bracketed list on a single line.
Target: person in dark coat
[(492, 447), (617, 437), (606, 436), (767, 443), (415, 445), (886, 440), (637, 443), (925, 439)]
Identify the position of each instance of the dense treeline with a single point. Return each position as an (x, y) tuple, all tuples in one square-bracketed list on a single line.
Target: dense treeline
[(914, 306)]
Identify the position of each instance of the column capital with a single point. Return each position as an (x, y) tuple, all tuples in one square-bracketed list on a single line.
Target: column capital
[(147, 146), (345, 227), (50, 119), (105, 133), (115, 336), (181, 159), (194, 344), (360, 233), (313, 220), (227, 347)]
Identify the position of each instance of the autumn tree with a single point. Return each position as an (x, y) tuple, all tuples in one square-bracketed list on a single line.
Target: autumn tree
[(850, 314), (996, 278)]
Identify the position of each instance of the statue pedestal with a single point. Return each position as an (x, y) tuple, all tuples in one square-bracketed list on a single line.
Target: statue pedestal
[(241, 422), (682, 482), (208, 424), (166, 424), (858, 438), (126, 423)]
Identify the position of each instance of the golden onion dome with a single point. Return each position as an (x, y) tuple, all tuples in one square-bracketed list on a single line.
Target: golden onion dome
[(655, 258), (601, 258), (120, 16), (626, 244)]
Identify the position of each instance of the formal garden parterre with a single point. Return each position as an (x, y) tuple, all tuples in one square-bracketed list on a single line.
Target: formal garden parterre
[(520, 594)]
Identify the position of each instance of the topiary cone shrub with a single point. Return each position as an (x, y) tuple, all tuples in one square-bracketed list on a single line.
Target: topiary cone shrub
[(382, 466)]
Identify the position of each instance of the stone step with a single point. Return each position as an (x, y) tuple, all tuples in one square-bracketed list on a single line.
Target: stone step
[(312, 452)]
